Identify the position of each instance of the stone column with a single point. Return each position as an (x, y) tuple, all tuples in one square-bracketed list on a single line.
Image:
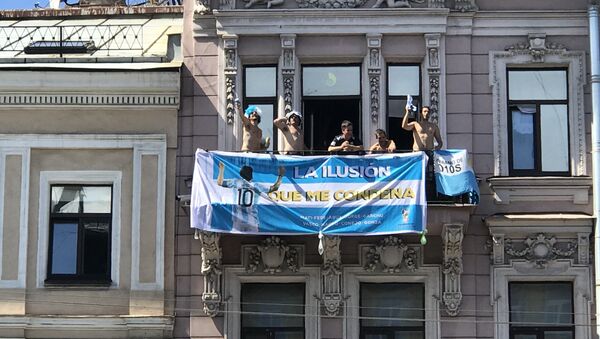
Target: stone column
[(288, 70), (374, 72), (452, 236), (230, 69), (432, 64)]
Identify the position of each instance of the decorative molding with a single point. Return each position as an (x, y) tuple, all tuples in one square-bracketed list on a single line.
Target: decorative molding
[(391, 256), (537, 47), (555, 271), (498, 249), (35, 99), (273, 256), (288, 70), (573, 190), (437, 4), (428, 275), (330, 3), (374, 72), (540, 249), (331, 293), (465, 5), (538, 52), (48, 178), (452, 268), (432, 63), (230, 44), (583, 248), (211, 269)]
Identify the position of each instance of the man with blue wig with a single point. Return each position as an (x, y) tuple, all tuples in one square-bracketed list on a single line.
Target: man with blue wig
[(252, 134)]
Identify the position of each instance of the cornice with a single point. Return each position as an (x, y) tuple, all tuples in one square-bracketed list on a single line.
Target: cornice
[(338, 21)]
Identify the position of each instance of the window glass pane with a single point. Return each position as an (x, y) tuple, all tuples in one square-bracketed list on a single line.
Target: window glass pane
[(525, 336), (403, 80), (260, 82), (409, 335), (537, 85), (522, 137), (266, 122), (541, 303), (558, 335), (554, 138), (392, 301), (96, 199), (64, 248), (340, 80), (289, 335), (96, 249), (280, 301), (65, 199)]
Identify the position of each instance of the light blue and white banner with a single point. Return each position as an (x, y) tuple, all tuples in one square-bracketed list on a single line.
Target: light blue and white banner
[(278, 194), (453, 174)]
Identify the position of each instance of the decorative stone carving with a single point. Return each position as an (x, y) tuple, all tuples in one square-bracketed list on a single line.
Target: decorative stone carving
[(437, 4), (288, 70), (465, 5), (452, 267), (583, 248), (536, 47), (330, 3), (211, 269), (230, 47), (498, 249), (540, 249), (273, 255), (432, 45), (374, 70), (390, 255), (202, 7), (269, 3), (331, 297)]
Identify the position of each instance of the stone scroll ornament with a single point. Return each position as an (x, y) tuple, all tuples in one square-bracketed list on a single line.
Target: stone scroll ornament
[(331, 287), (273, 256), (540, 249), (211, 270), (452, 268)]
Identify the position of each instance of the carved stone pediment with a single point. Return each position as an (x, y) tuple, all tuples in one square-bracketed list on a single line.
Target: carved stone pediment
[(459, 5), (540, 249), (390, 255), (537, 47), (273, 255)]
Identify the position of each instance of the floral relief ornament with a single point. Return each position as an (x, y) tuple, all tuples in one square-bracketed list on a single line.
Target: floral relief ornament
[(390, 254), (272, 254), (541, 249)]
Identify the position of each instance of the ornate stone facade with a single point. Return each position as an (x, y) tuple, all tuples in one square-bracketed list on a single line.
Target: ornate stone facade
[(288, 70), (331, 293), (231, 70), (432, 45), (374, 70), (452, 267), (390, 255), (211, 269), (539, 249), (273, 255)]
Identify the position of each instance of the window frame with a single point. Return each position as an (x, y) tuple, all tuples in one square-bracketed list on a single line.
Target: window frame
[(270, 331), (78, 218), (537, 170), (389, 331), (389, 97), (247, 101), (429, 275), (574, 62), (538, 331), (233, 277), (49, 178)]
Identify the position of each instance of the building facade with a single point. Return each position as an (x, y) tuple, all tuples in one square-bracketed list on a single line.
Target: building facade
[(89, 100), (507, 81)]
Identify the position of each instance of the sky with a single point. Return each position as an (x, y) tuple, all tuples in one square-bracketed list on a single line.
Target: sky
[(21, 4)]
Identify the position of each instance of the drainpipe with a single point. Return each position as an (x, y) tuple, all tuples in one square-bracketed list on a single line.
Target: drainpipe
[(595, 73)]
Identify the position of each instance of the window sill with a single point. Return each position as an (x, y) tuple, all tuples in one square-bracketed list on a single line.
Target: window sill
[(77, 284), (508, 190)]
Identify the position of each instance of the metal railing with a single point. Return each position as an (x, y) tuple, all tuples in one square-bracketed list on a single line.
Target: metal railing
[(104, 37)]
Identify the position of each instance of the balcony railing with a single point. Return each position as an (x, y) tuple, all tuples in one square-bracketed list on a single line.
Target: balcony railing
[(103, 37)]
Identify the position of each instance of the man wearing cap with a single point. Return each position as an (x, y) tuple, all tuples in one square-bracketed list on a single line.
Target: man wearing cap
[(291, 127), (252, 136)]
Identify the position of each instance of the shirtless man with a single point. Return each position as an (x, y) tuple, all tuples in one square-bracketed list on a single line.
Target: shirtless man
[(383, 144), (252, 136), (291, 126), (424, 131)]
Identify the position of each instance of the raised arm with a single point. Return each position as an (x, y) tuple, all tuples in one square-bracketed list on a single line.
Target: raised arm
[(220, 176), (238, 108), (275, 186), (405, 124), (392, 146), (280, 123)]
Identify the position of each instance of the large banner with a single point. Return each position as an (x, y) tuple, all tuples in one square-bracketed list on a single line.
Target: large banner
[(277, 194)]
